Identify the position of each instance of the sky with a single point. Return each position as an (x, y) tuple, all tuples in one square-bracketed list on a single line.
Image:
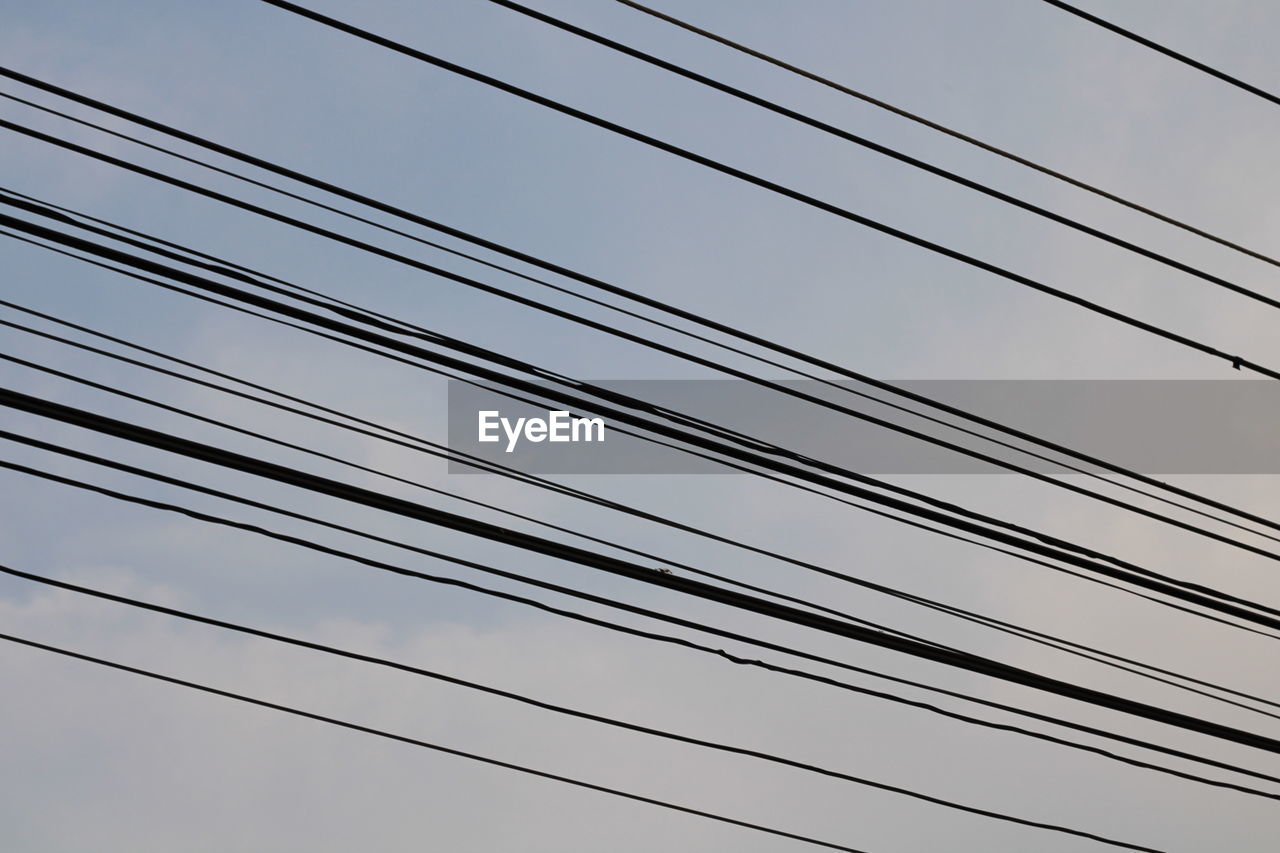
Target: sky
[(104, 761)]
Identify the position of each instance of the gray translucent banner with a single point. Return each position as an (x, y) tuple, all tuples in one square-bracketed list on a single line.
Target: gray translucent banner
[(1149, 426)]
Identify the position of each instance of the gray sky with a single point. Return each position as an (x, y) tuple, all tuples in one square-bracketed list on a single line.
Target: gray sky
[(102, 761)]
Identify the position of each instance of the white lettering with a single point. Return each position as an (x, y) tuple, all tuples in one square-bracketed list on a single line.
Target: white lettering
[(513, 435), (558, 426), (587, 424), (487, 424)]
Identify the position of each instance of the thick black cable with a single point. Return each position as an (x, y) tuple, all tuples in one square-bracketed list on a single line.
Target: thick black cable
[(1205, 596), (1169, 52), (1236, 361), (1098, 656), (561, 709), (174, 251), (892, 153), (350, 422), (1107, 659), (534, 544), (310, 544), (764, 474), (576, 493), (328, 457), (542, 774), (238, 271), (954, 134), (721, 461), (1090, 653), (400, 327), (610, 288)]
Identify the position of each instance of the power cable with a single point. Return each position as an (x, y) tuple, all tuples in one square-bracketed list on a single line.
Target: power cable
[(1169, 52), (400, 327), (954, 134), (529, 542), (311, 544), (504, 470), (1236, 361), (886, 151), (1046, 545), (591, 281), (1105, 658), (329, 457), (542, 774), (559, 709), (1097, 655), (183, 254)]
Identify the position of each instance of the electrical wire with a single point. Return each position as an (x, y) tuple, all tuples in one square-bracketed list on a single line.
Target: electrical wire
[(1107, 659), (401, 327), (1046, 545), (1236, 361), (221, 266), (614, 722), (329, 457), (310, 544), (954, 134), (645, 574), (1173, 54), (591, 281), (1089, 653), (495, 468), (542, 774), (892, 153)]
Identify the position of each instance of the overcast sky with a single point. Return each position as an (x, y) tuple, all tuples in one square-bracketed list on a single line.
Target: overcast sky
[(98, 760)]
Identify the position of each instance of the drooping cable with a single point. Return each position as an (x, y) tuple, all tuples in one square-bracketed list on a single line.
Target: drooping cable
[(310, 544), (823, 475), (329, 457), (697, 589), (222, 266), (1236, 361), (951, 132), (400, 327), (1090, 653), (405, 739), (892, 153), (594, 282), (614, 722)]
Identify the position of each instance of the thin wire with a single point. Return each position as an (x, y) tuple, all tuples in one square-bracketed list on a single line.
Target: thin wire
[(558, 709), (597, 284), (405, 481), (1105, 658), (717, 460), (886, 151), (310, 544), (954, 134), (401, 327), (1084, 558), (697, 589), (601, 501), (1173, 54), (1071, 558), (1238, 362), (241, 273), (297, 712), (1068, 646)]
